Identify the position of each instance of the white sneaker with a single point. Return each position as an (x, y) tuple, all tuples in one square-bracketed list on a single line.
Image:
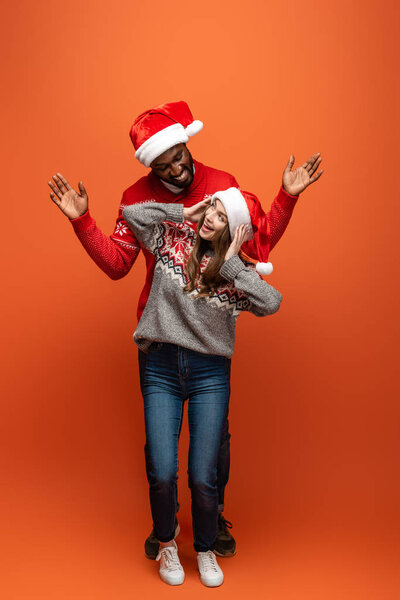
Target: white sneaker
[(171, 570), (211, 574)]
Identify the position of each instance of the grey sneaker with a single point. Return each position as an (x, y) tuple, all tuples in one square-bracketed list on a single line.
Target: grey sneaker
[(225, 544), (152, 545)]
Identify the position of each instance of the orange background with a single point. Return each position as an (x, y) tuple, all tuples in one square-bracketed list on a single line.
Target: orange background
[(314, 489)]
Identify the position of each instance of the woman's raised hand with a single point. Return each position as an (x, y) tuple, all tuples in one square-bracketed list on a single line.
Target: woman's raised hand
[(72, 204), (237, 241), (295, 182), (193, 213)]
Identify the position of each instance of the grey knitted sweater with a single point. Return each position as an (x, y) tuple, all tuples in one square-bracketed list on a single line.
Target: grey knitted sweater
[(205, 324)]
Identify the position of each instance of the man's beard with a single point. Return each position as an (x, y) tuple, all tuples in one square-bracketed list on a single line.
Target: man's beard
[(183, 184)]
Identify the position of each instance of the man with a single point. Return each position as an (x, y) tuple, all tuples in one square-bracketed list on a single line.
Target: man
[(159, 136)]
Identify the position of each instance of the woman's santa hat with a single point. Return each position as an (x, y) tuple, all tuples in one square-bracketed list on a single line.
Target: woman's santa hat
[(161, 128), (245, 208)]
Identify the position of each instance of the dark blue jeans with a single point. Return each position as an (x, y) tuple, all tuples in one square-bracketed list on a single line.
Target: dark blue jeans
[(169, 375)]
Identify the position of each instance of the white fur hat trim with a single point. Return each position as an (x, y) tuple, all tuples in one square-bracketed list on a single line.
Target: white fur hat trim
[(236, 210), (165, 139)]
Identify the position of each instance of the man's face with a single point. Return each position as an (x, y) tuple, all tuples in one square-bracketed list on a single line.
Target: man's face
[(174, 166)]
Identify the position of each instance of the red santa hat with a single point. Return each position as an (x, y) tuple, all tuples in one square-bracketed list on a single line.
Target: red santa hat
[(160, 128), (245, 208)]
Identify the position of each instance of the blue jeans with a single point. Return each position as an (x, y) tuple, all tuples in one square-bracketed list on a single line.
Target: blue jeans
[(169, 375)]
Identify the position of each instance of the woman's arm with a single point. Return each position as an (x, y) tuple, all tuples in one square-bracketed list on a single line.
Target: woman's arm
[(265, 299), (145, 220)]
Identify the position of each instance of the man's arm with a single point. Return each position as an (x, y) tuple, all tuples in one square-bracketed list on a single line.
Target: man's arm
[(279, 215), (294, 182), (116, 254)]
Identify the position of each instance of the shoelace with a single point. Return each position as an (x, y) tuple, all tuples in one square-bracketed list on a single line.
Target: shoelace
[(208, 561), (171, 558), (224, 524)]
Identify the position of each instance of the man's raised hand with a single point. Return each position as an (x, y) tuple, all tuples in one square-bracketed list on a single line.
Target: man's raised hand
[(72, 204), (295, 182)]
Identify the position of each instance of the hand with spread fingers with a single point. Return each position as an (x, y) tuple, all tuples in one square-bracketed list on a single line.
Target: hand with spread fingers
[(296, 181), (72, 204), (237, 241), (194, 213)]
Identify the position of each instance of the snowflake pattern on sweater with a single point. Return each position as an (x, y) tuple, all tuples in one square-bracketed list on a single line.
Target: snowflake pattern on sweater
[(172, 245), (115, 254)]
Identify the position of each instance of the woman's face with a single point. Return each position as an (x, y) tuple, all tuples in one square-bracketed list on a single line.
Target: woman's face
[(215, 222)]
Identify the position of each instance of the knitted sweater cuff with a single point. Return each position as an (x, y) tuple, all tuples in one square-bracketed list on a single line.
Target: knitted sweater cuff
[(82, 224), (174, 213), (231, 268), (286, 200)]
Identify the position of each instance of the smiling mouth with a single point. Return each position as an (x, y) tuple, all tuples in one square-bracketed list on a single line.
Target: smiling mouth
[(181, 177), (206, 229)]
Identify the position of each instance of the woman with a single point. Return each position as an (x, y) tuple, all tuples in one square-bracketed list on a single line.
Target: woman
[(187, 330)]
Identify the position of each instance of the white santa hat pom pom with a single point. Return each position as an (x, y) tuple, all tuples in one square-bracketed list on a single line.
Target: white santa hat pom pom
[(194, 128), (264, 268)]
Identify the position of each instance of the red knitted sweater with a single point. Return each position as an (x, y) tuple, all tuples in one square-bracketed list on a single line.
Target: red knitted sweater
[(116, 254)]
